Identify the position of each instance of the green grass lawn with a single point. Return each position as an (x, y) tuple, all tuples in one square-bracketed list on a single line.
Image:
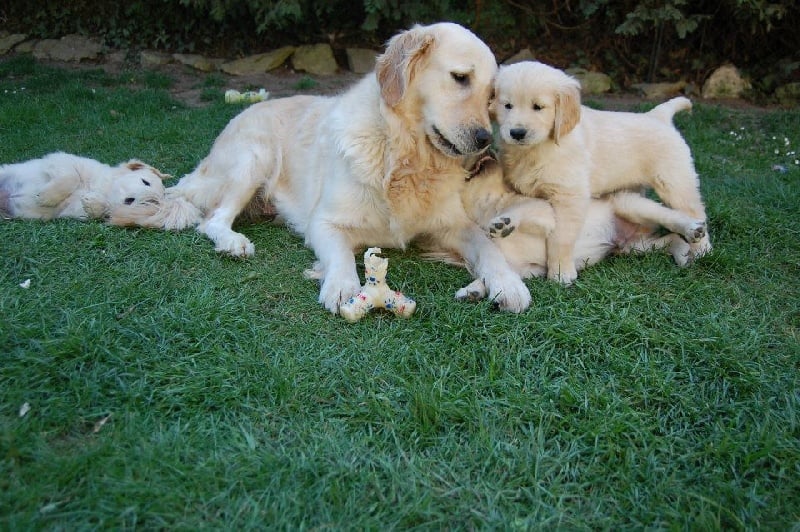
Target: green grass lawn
[(645, 396)]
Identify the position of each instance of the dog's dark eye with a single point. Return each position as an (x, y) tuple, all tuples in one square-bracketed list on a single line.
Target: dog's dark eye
[(128, 201), (537, 107), (461, 79), (146, 182), (509, 106)]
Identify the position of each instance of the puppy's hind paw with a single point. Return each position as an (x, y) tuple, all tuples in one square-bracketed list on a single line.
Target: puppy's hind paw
[(500, 227), (695, 232), (474, 291)]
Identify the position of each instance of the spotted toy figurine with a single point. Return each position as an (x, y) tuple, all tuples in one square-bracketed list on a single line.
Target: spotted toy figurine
[(376, 293)]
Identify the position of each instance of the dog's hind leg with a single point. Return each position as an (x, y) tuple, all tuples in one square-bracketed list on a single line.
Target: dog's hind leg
[(233, 196)]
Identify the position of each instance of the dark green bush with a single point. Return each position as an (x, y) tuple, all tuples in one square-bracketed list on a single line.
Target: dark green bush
[(637, 39)]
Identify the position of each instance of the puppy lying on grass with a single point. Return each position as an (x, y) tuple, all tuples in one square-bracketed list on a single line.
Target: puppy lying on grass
[(551, 147), (61, 185)]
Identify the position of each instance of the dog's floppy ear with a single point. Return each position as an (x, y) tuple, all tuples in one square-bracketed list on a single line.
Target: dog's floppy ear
[(568, 109), (396, 66)]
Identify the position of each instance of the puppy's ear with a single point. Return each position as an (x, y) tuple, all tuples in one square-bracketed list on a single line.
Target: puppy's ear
[(568, 110), (493, 104), (136, 164), (395, 68)]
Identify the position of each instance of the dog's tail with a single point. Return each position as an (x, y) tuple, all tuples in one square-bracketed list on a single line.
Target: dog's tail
[(665, 111), (172, 213)]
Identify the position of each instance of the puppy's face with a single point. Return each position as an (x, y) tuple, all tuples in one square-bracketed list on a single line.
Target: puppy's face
[(534, 103), (439, 77), (136, 183)]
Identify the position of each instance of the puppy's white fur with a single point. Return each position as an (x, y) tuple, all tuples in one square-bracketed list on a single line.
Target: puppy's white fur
[(552, 147), (62, 185), (377, 165), (618, 223)]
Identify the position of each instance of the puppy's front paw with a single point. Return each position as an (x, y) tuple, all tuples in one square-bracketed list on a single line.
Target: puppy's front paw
[(95, 205), (337, 290), (474, 291), (236, 245), (501, 226)]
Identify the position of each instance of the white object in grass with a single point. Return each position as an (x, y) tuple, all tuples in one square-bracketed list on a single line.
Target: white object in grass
[(376, 293)]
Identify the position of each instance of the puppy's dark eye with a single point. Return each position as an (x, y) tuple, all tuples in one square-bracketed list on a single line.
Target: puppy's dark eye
[(461, 79), (146, 182), (509, 106), (537, 107), (128, 201)]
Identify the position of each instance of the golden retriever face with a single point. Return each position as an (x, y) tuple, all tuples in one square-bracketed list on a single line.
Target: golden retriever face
[(439, 78), (535, 103), (136, 183)]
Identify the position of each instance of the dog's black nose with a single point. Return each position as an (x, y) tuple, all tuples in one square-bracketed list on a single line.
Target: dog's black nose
[(518, 133), (483, 137)]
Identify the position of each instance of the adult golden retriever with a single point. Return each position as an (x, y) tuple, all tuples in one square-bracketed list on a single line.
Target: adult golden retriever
[(554, 148), (378, 165)]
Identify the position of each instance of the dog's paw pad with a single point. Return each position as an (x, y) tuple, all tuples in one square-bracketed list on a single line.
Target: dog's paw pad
[(501, 227)]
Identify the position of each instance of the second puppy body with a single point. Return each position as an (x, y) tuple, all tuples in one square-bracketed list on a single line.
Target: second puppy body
[(554, 148), (618, 223)]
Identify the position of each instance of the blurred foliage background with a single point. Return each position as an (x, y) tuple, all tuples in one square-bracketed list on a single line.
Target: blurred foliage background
[(632, 40)]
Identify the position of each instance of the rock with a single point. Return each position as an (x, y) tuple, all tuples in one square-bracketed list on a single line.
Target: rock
[(116, 57), (8, 42), (725, 82), (591, 82), (259, 63), (315, 59), (198, 62), (660, 91), (151, 58), (788, 94), (360, 60), (26, 47), (523, 55), (68, 48)]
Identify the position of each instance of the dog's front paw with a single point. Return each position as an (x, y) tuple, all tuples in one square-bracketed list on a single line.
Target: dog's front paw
[(338, 290), (564, 274), (474, 291), (236, 245), (509, 293), (501, 226)]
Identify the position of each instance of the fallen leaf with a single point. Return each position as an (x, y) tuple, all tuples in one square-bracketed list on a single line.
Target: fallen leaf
[(99, 424)]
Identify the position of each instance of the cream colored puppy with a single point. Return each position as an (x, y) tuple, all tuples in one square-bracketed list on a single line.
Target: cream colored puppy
[(62, 185), (618, 223), (554, 148), (376, 166)]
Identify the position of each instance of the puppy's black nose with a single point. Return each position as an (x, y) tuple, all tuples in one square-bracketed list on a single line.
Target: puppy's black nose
[(483, 137), (518, 133)]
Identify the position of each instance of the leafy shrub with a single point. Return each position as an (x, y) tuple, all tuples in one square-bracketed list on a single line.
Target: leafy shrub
[(636, 37)]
